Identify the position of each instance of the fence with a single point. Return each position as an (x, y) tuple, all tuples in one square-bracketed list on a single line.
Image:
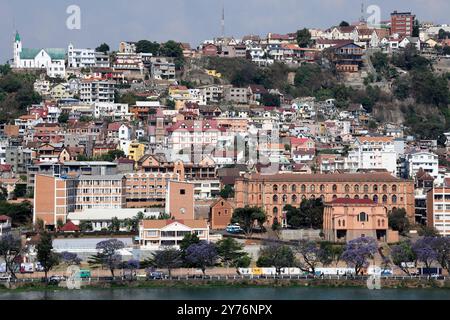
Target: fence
[(237, 277)]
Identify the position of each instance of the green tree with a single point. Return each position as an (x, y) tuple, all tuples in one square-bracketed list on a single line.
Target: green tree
[(104, 48), (63, 118), (227, 192), (270, 100), (174, 50), (10, 252), (115, 225), (45, 255), (402, 254), (230, 252), (247, 217), (20, 190), (168, 258), (188, 240), (398, 221), (303, 38), (276, 256), (344, 24), (146, 46)]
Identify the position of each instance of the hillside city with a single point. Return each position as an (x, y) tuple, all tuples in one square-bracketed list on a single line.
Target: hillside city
[(316, 152)]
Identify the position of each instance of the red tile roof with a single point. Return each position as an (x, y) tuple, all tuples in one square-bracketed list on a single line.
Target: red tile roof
[(69, 227)]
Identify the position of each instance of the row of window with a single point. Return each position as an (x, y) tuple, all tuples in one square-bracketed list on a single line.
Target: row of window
[(322, 188), (375, 198)]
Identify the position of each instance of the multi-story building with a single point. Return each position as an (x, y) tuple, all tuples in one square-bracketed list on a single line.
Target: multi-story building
[(56, 197), (347, 57), (274, 192), (192, 134), (5, 225), (402, 23), (373, 153), (157, 234), (427, 161), (162, 69), (438, 210), (80, 58), (237, 95), (147, 189), (102, 60), (115, 111), (94, 91)]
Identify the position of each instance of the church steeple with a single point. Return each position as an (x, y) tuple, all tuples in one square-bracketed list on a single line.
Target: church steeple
[(17, 36)]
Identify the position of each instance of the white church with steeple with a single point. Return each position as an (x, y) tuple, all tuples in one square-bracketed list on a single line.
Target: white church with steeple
[(50, 59)]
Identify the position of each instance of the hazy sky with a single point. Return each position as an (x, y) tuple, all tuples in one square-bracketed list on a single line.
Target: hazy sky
[(42, 23)]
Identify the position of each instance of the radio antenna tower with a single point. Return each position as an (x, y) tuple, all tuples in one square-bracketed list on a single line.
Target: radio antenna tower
[(223, 20), (363, 18)]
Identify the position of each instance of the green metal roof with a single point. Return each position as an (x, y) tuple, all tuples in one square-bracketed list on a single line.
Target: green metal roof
[(54, 53), (17, 37)]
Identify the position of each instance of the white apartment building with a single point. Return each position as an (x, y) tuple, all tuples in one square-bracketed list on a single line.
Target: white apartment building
[(157, 234), (428, 161), (194, 134), (373, 153), (206, 189), (94, 91), (117, 111), (80, 58), (438, 210), (102, 60), (162, 69)]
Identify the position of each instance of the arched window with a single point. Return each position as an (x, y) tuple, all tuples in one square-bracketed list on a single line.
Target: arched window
[(275, 211), (284, 188), (394, 199), (313, 188), (285, 197), (294, 199), (322, 197), (366, 188), (375, 198), (356, 188), (303, 188), (343, 223), (379, 222), (394, 188), (347, 196), (334, 197), (294, 188), (363, 217), (275, 199), (347, 188), (334, 188), (385, 198), (303, 197), (382, 223), (356, 197), (375, 188), (366, 197), (313, 197), (385, 188), (339, 223), (275, 188), (322, 188)]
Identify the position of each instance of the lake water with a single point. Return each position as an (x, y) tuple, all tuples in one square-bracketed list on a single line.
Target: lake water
[(233, 294)]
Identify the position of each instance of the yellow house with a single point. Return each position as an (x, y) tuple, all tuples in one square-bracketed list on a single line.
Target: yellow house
[(136, 151), (60, 92), (179, 91), (214, 73)]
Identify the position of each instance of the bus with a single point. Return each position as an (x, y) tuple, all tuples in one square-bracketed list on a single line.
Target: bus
[(234, 228)]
